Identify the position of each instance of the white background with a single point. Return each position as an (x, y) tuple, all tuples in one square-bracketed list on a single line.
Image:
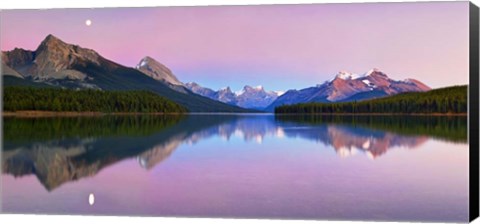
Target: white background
[(33, 4)]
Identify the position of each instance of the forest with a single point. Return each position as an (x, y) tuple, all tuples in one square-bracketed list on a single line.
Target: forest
[(67, 100), (451, 128), (18, 130), (449, 100)]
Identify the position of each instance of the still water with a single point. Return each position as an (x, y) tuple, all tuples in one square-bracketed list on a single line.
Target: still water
[(245, 166)]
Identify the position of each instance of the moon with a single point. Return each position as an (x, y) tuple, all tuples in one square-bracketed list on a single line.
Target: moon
[(88, 22), (91, 199)]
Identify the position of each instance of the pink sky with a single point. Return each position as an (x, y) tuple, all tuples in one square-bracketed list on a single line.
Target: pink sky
[(280, 47)]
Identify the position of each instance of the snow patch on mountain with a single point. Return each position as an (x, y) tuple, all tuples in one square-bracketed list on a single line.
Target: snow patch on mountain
[(371, 71), (279, 93), (347, 75)]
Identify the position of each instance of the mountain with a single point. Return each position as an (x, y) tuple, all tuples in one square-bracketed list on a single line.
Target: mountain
[(196, 88), (249, 97), (347, 87), (6, 70), (52, 60), (57, 63), (226, 95), (160, 72), (157, 70), (255, 97), (16, 61)]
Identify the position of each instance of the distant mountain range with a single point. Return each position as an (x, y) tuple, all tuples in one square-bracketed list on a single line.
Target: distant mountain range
[(56, 63), (249, 97), (344, 87)]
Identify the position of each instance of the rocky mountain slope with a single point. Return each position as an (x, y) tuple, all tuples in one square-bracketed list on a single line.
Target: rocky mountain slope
[(160, 72)]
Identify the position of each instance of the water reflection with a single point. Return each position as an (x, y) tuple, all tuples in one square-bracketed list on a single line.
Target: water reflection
[(448, 128), (348, 141), (60, 150), (374, 135)]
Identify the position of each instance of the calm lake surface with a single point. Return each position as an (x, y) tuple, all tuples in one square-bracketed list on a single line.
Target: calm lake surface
[(245, 166)]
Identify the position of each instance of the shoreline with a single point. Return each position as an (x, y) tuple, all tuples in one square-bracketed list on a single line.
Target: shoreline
[(378, 114), (30, 113)]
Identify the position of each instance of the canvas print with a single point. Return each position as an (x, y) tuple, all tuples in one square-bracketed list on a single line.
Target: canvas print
[(315, 111)]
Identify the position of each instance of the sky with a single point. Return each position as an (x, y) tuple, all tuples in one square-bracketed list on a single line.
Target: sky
[(280, 47)]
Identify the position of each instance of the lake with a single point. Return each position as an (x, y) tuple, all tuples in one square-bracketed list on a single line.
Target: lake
[(387, 168)]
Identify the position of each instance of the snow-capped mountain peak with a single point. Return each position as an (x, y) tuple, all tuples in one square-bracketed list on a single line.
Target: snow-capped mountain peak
[(250, 89), (371, 71), (352, 76), (259, 87), (346, 75), (279, 93), (157, 70), (253, 88), (142, 63)]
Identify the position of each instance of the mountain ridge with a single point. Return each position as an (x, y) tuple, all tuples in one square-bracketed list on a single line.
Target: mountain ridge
[(57, 63)]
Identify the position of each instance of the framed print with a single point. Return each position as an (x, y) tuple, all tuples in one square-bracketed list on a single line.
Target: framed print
[(361, 112)]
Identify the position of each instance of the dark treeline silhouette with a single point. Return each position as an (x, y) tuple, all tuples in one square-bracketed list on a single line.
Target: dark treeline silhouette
[(54, 128), (450, 100), (451, 128), (62, 100)]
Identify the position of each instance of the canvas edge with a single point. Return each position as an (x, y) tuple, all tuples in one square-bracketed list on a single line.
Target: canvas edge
[(1, 122), (474, 95)]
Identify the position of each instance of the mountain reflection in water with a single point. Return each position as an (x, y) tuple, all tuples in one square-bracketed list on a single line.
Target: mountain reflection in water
[(60, 150)]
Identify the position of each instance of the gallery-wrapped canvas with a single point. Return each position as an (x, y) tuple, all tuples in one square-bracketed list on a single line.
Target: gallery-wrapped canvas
[(363, 112)]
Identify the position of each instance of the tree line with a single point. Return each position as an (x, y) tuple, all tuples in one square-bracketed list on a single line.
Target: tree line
[(67, 100), (451, 128), (51, 128), (449, 100)]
